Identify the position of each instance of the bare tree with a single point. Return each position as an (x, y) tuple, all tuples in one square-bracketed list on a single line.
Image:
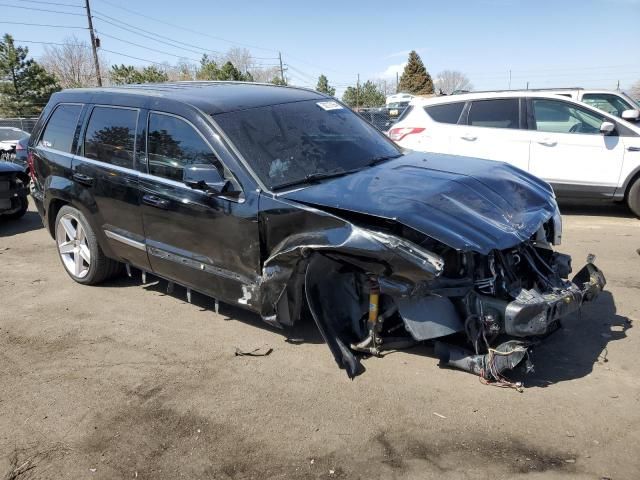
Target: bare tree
[(72, 63), (448, 81), (241, 59), (634, 91), (387, 87)]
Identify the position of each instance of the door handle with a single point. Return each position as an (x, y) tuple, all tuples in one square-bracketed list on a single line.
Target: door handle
[(156, 202), (469, 138), (548, 142), (633, 149), (83, 179)]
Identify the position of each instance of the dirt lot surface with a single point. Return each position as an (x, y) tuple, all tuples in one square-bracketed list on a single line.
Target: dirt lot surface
[(127, 381)]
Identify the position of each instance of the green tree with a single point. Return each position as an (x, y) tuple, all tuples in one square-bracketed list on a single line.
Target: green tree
[(324, 87), (25, 87), (229, 72), (126, 74), (208, 69), (367, 95), (415, 79), (277, 80)]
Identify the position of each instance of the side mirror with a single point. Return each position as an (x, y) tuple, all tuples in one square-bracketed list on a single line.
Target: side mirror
[(631, 115), (607, 128), (207, 177)]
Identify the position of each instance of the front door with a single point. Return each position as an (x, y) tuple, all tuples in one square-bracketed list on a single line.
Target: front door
[(104, 171), (204, 242), (568, 150)]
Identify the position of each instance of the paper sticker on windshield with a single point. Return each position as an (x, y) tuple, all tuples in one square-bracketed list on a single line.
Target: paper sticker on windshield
[(330, 105)]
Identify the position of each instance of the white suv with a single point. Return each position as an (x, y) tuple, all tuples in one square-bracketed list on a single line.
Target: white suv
[(581, 151)]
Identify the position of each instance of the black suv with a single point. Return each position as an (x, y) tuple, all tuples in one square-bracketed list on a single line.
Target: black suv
[(284, 201)]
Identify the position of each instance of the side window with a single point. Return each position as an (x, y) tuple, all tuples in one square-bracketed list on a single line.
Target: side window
[(612, 104), (61, 128), (173, 144), (564, 117), (445, 113), (499, 113), (110, 136)]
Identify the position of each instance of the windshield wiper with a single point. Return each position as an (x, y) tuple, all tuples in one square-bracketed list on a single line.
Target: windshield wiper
[(377, 160), (314, 177)]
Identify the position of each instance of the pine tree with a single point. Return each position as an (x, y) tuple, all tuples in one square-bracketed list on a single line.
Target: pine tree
[(229, 72), (25, 87), (415, 79), (277, 80), (368, 95), (126, 74), (208, 69), (324, 87)]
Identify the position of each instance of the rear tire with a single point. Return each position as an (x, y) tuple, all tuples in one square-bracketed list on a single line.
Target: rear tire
[(633, 198), (79, 251)]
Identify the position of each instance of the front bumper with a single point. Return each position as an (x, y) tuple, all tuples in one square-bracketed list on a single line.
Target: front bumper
[(10, 195), (534, 314)]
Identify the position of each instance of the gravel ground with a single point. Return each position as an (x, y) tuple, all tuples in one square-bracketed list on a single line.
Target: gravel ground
[(127, 381)]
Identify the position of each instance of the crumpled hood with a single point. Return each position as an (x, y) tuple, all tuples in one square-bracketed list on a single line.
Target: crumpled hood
[(466, 203)]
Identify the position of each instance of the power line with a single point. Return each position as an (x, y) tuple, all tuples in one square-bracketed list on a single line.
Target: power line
[(53, 3), (131, 56), (42, 25), (148, 48), (188, 29), (42, 10), (135, 30)]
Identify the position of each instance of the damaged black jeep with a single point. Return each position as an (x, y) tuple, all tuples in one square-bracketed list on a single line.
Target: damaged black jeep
[(285, 202)]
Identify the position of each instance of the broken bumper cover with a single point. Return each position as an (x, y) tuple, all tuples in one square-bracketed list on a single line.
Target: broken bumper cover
[(533, 313)]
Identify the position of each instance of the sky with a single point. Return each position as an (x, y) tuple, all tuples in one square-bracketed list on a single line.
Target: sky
[(587, 43)]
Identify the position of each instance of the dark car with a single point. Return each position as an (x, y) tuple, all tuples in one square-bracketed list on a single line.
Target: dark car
[(13, 191), (283, 201), (20, 157)]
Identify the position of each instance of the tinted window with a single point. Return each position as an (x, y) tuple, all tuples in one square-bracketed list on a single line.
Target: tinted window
[(612, 104), (287, 142), (110, 136), (61, 128), (172, 145), (446, 113), (564, 117), (501, 113), (404, 113)]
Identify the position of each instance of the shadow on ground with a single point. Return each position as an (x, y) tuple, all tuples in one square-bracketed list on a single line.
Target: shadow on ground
[(581, 343), (595, 208), (29, 222)]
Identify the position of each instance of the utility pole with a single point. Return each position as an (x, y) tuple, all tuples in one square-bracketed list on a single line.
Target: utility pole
[(93, 44), (509, 79), (281, 69), (358, 92), (397, 82)]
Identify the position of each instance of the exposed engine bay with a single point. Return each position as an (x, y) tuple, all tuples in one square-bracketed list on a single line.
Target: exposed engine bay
[(481, 312)]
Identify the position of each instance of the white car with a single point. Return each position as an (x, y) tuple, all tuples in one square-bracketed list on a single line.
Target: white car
[(581, 151), (9, 137), (610, 101)]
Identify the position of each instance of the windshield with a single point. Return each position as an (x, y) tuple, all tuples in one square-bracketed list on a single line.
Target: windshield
[(11, 134), (295, 142)]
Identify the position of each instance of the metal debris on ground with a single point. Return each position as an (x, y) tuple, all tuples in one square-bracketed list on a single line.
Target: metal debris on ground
[(256, 352)]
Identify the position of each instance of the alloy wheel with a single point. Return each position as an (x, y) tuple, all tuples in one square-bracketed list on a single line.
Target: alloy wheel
[(72, 245)]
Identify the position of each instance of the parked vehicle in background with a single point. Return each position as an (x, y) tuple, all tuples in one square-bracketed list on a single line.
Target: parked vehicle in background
[(613, 102), (378, 117), (13, 191), (397, 103), (20, 154), (9, 137), (581, 151), (283, 201)]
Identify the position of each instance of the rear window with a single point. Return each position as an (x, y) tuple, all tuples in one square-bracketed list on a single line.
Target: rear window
[(445, 113), (499, 113), (286, 143), (110, 136), (61, 128), (11, 134)]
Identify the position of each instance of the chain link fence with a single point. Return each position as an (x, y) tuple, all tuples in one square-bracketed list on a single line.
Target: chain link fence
[(25, 124), (381, 117)]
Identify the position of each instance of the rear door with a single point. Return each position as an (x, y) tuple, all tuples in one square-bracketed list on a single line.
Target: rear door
[(568, 150), (107, 180), (494, 129), (439, 134)]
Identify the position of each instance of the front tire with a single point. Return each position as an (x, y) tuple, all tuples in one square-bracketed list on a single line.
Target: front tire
[(79, 250), (633, 198), (24, 205)]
